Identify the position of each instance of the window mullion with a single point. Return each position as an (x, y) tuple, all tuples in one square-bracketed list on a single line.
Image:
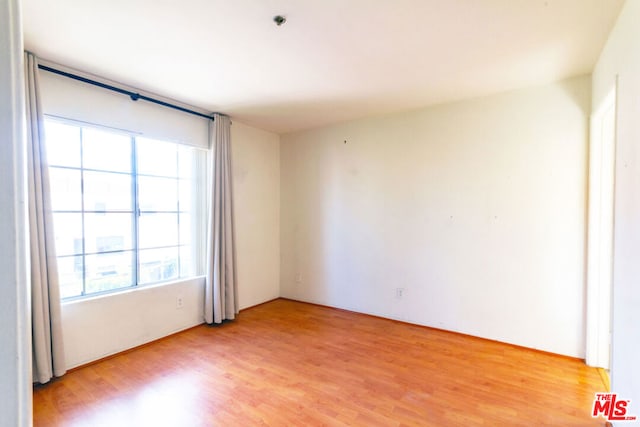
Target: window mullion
[(84, 258), (136, 211), (177, 195)]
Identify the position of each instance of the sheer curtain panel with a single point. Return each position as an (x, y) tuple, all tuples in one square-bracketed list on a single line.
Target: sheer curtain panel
[(221, 287), (47, 345)]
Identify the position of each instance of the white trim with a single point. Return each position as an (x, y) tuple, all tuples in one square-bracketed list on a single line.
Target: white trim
[(600, 233), (15, 311)]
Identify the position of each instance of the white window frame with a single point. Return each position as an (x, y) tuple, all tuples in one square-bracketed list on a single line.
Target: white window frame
[(135, 214)]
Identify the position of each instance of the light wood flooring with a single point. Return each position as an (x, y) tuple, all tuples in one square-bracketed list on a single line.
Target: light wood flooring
[(287, 363)]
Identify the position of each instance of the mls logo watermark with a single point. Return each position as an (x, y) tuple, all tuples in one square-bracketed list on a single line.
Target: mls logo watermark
[(612, 408)]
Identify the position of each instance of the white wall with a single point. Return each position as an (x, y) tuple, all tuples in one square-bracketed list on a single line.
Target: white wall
[(621, 57), (97, 327), (15, 326), (477, 209), (104, 325), (256, 180)]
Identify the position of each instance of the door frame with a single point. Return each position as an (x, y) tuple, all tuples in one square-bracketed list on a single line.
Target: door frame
[(600, 231)]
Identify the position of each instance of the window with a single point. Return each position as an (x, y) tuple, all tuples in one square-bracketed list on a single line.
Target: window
[(125, 208)]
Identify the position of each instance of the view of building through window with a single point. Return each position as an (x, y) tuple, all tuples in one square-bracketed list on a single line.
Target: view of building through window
[(124, 208)]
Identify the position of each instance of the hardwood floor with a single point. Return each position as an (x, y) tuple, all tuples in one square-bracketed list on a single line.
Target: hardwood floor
[(286, 363)]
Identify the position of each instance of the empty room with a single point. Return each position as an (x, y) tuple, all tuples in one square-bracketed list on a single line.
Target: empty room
[(292, 213)]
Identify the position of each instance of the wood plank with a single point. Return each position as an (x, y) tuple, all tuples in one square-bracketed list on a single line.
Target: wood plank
[(288, 363)]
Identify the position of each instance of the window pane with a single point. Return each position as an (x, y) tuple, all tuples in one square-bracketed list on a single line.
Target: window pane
[(92, 193), (109, 271), (184, 197), (70, 276), (155, 230), (106, 150), (157, 194), (65, 188), (157, 157), (186, 157), (63, 144), (108, 232), (158, 265), (187, 266), (186, 229), (104, 191), (67, 228)]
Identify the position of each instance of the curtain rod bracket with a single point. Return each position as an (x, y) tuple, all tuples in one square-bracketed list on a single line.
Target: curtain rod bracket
[(134, 96)]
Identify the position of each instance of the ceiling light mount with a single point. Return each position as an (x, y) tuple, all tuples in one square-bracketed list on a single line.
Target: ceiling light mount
[(279, 20)]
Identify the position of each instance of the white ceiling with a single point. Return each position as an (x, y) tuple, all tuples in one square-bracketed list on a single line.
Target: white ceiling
[(333, 60)]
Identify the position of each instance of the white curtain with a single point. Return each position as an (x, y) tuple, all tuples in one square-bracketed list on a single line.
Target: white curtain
[(47, 345), (221, 289)]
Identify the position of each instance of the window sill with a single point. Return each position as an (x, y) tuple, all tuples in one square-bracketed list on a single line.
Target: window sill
[(128, 291)]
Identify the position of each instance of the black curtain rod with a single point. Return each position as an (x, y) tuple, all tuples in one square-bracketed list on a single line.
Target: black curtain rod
[(134, 96)]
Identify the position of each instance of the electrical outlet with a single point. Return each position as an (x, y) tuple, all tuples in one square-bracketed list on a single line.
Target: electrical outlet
[(179, 302), (400, 293), (298, 278)]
